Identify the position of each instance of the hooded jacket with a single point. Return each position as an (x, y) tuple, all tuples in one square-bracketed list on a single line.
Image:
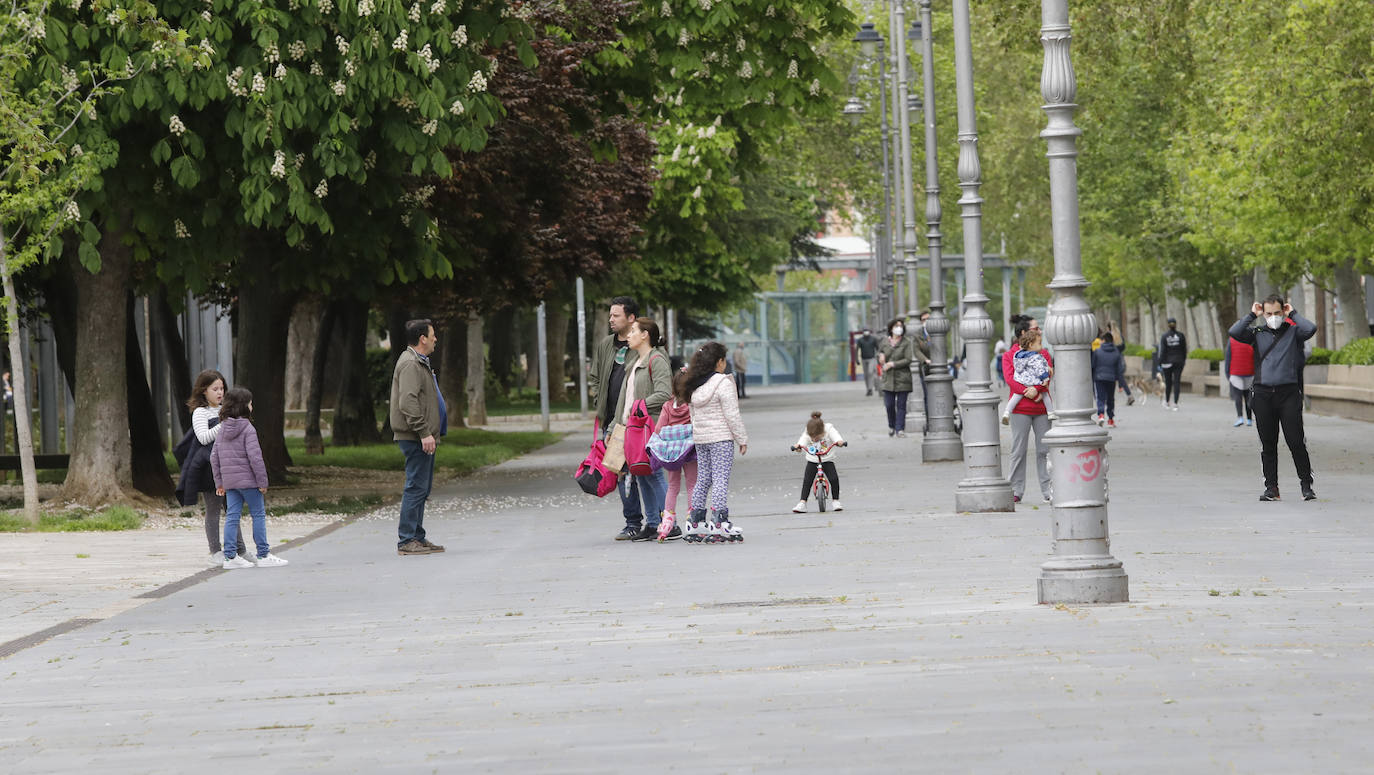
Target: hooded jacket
[(236, 458), (715, 412), (674, 414), (1108, 364), (1279, 355)]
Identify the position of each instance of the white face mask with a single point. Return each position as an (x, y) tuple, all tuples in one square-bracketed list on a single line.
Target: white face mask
[(1273, 321), (898, 331)]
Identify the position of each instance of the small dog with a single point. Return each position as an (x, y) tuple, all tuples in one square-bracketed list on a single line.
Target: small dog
[(1148, 386)]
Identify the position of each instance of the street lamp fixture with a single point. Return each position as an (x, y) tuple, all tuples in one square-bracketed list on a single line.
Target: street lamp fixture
[(914, 106), (914, 34), (868, 39), (855, 110)]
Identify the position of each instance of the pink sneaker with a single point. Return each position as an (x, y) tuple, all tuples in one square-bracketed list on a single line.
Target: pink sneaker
[(666, 526)]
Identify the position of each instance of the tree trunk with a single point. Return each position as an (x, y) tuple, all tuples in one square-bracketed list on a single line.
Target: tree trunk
[(59, 300), (477, 371), (502, 341), (148, 464), (99, 470), (1319, 315), (264, 313), (1350, 296), (557, 322), (453, 347), (301, 340), (1245, 295), (19, 374), (314, 441), (529, 344), (355, 417), (174, 348)]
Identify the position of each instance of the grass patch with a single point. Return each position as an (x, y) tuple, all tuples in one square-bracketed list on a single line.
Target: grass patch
[(463, 450), (347, 504), (526, 401), (112, 518)]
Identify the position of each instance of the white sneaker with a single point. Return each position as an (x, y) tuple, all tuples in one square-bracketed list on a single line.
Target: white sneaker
[(1006, 419), (1174, 407), (237, 562), (800, 508), (271, 561), (1052, 416), (217, 560), (835, 506)]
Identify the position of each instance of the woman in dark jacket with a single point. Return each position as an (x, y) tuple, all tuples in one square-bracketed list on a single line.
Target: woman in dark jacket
[(1109, 368), (895, 355)]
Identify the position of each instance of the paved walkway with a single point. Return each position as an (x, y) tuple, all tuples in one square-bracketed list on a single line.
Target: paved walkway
[(894, 636)]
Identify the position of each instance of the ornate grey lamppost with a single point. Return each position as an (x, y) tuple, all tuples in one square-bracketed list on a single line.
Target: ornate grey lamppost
[(1083, 569), (983, 488), (941, 442)]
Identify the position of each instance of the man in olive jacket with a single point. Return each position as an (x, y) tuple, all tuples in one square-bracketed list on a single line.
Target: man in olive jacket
[(419, 417)]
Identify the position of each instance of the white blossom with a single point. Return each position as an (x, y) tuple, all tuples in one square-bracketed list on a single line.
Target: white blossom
[(365, 7), (457, 108), (370, 161), (815, 87), (73, 211), (339, 88), (175, 126), (181, 230), (350, 67), (414, 14), (235, 81), (460, 35), (70, 80), (296, 49), (478, 82), (739, 43), (206, 17), (76, 5), (684, 37), (665, 10), (300, 160), (206, 47), (259, 83), (77, 150), (430, 127), (281, 72), (271, 53), (315, 69), (677, 153), (696, 192), (746, 70), (770, 12), (342, 44), (792, 69), (401, 41), (705, 4), (322, 190), (326, 6), (439, 8), (278, 165)]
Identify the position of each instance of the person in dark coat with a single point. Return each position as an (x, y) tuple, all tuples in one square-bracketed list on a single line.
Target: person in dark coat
[(1109, 368)]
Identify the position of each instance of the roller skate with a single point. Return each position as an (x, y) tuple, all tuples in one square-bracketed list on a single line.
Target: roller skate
[(729, 533), (667, 528), (697, 529)]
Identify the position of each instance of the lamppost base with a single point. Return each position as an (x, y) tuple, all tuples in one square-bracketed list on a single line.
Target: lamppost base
[(939, 447), (1084, 586), (983, 496)]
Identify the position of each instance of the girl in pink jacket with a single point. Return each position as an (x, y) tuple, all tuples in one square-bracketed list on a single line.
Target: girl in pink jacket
[(241, 479), (716, 428)]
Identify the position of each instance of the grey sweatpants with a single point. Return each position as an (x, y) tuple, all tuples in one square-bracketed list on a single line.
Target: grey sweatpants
[(214, 507), (1021, 427)]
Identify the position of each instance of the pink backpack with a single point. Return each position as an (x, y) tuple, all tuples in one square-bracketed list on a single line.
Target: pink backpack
[(638, 428), (591, 475)]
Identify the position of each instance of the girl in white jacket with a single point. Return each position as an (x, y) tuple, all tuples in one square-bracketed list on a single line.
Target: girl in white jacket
[(819, 441), (716, 428)]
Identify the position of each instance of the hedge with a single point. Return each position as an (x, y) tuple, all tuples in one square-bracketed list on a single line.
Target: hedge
[(1359, 352)]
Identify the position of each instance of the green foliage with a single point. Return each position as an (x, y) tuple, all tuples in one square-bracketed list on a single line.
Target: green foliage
[(1360, 352), (1320, 356), (1212, 356), (344, 504), (75, 520), (1138, 350)]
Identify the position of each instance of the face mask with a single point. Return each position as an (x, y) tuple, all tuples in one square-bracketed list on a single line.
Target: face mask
[(1273, 321), (898, 331)]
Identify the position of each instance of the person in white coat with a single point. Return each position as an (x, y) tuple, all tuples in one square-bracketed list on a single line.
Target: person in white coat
[(819, 441)]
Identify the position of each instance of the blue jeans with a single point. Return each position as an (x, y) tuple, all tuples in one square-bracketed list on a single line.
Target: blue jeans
[(419, 481), (628, 488), (653, 490), (233, 503), (895, 402)]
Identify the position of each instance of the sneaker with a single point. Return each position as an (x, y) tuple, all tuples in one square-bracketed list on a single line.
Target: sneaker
[(1307, 493), (217, 560), (413, 547), (901, 434), (1174, 406), (1249, 422), (1239, 422), (1016, 499), (1130, 400), (835, 506), (1270, 494), (800, 508), (1006, 419), (1111, 423), (237, 562), (673, 534), (891, 433), (271, 561), (1101, 419), (628, 534), (433, 548), (648, 533)]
